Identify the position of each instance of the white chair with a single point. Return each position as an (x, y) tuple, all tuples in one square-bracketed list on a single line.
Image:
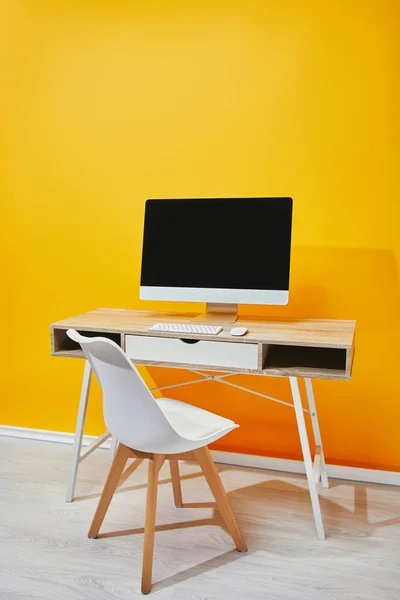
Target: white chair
[(158, 430)]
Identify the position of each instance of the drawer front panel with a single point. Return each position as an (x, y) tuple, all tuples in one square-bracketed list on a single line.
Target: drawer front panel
[(203, 352)]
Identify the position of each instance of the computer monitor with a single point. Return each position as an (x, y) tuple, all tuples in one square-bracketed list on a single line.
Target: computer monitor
[(222, 251)]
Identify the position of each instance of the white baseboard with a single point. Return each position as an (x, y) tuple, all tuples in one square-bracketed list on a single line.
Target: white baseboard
[(229, 458), (45, 435), (297, 466)]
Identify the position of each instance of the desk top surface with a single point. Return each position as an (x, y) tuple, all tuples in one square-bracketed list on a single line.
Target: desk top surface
[(309, 332)]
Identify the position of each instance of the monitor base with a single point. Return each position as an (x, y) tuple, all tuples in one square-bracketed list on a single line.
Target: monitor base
[(218, 313)]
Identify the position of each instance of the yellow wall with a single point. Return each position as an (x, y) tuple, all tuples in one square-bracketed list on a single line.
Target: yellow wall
[(108, 103)]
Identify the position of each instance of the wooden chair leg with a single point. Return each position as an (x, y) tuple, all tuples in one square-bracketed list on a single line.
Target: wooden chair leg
[(129, 470), (205, 460), (176, 482), (155, 463), (121, 456)]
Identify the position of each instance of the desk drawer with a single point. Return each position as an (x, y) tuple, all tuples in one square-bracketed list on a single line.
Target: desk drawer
[(202, 352)]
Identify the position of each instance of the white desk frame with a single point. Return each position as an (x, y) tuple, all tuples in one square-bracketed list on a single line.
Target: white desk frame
[(315, 468)]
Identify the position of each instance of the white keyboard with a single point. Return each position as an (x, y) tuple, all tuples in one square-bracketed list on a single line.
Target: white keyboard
[(182, 328)]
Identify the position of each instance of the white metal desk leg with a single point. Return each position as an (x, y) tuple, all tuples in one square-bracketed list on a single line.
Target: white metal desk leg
[(80, 422), (317, 433), (301, 424)]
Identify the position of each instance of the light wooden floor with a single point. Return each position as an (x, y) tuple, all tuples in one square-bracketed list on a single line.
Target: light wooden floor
[(45, 553)]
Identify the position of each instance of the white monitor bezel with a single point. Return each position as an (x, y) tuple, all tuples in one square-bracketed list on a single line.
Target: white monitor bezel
[(229, 296)]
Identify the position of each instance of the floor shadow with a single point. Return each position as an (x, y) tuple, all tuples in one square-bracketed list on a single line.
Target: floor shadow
[(361, 504), (199, 569), (243, 499), (266, 493)]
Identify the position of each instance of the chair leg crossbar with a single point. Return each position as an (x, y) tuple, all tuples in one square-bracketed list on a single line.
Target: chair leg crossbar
[(156, 461), (315, 468)]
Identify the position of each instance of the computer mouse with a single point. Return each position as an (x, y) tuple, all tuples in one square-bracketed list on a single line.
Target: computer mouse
[(239, 330)]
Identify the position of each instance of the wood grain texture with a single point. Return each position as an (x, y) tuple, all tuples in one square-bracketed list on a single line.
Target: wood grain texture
[(121, 456), (155, 463), (350, 359), (262, 355), (271, 335), (206, 462), (176, 482), (45, 553), (203, 456), (301, 332)]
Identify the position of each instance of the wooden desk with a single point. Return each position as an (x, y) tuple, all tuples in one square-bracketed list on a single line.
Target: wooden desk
[(292, 348)]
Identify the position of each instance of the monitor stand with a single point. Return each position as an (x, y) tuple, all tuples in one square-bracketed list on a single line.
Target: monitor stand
[(218, 313)]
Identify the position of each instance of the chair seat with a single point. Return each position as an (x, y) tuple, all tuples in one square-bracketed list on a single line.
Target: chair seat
[(196, 425), (161, 429)]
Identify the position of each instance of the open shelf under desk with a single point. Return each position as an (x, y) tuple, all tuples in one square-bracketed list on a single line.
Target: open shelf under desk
[(306, 361), (274, 360), (62, 345)]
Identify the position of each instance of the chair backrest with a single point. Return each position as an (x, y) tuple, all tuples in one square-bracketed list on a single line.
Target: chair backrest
[(131, 413)]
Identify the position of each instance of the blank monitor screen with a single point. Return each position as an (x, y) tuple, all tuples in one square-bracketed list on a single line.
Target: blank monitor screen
[(217, 250)]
